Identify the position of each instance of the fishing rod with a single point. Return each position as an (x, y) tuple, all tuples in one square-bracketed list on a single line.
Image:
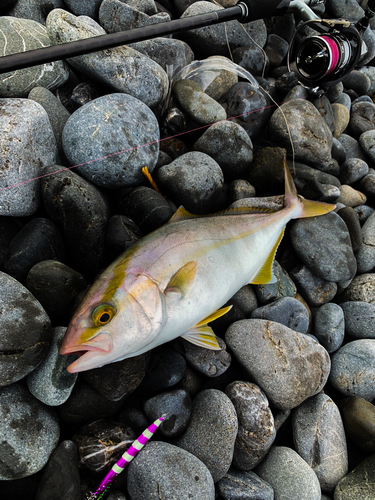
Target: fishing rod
[(319, 61)]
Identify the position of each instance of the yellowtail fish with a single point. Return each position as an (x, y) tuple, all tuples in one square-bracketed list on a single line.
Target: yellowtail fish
[(171, 282)]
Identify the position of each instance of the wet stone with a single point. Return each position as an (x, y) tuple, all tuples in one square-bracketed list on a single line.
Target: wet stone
[(119, 122), (289, 475), (61, 469), (25, 331), (50, 382), (252, 58), (115, 16), (274, 291), (359, 480), (329, 326), (311, 136), (147, 208), (314, 290), (359, 420), (230, 146), (150, 474), (319, 438), (350, 217), (267, 169), (241, 485), (287, 311), (276, 49), (212, 431), (265, 349), (24, 121), (353, 369), (82, 212), (353, 170), (323, 244), (117, 380), (19, 83), (366, 252), (286, 82), (123, 69), (122, 232), (256, 427), (38, 240), (205, 361), (193, 180), (359, 319), (177, 405), (29, 432)]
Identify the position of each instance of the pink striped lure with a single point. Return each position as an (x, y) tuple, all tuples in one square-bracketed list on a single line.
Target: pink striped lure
[(126, 458)]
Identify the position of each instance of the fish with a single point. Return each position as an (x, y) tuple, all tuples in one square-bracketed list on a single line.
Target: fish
[(174, 281)]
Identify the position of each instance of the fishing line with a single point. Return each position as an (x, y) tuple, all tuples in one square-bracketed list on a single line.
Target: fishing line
[(64, 169)]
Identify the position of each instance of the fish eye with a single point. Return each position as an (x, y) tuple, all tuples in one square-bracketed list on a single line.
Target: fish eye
[(102, 314)]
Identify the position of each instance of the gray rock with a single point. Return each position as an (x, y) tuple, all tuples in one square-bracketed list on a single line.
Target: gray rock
[(22, 122), (288, 311), (121, 68), (252, 58), (171, 54), (163, 470), (197, 104), (366, 253), (329, 326), (319, 438), (276, 49), (212, 431), (359, 319), (57, 113), (25, 331), (367, 141), (358, 416), (246, 299), (120, 123), (176, 404), (84, 7), (369, 42), (367, 185), (363, 213), (352, 147), (289, 475), (33, 9), (230, 146), (115, 15), (240, 485), (346, 10), (353, 369), (350, 217), (29, 432), (288, 366), (352, 170), (193, 180), (274, 291), (50, 382), (240, 189), (21, 35), (357, 81), (370, 72), (212, 40), (325, 109), (362, 288), (314, 290), (323, 244), (313, 183), (312, 139), (359, 483), (362, 117), (256, 427), (345, 100), (205, 361)]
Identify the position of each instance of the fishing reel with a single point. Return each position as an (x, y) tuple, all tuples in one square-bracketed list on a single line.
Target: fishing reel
[(323, 60)]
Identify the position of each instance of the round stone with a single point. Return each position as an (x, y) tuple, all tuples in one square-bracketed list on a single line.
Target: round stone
[(287, 311), (329, 326), (359, 319), (359, 421)]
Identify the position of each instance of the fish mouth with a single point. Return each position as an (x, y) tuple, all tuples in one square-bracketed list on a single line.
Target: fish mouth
[(87, 360), (101, 343)]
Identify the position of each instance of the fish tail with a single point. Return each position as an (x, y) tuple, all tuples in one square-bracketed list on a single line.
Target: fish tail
[(300, 206)]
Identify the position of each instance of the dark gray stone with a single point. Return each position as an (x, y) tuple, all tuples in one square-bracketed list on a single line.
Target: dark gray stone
[(289, 475), (276, 49), (193, 180), (23, 122), (367, 185), (359, 319), (240, 189), (352, 170), (325, 109), (60, 477), (122, 232), (246, 300), (323, 244), (25, 331), (358, 416), (34, 9), (319, 438), (122, 68), (29, 432), (350, 217), (360, 481), (288, 311), (252, 58), (256, 427), (362, 288), (366, 253), (205, 361), (288, 366), (353, 369), (329, 326), (164, 469), (275, 291), (50, 382), (363, 213), (362, 117), (314, 290), (212, 431), (115, 15), (21, 35), (119, 123), (84, 7), (345, 100), (357, 81), (367, 141), (240, 485), (230, 146), (352, 147), (370, 72), (312, 139), (177, 405)]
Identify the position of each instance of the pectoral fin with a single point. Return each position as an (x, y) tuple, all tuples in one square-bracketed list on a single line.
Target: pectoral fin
[(182, 280), (203, 335), (265, 274)]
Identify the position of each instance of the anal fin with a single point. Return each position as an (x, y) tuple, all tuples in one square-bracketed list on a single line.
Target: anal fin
[(265, 274), (203, 335)]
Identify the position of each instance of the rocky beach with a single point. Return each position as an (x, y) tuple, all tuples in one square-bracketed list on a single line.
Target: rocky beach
[(285, 409)]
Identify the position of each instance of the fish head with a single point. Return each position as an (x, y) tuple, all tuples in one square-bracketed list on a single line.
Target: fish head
[(103, 331)]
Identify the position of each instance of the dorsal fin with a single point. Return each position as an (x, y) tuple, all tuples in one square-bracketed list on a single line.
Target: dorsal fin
[(265, 274), (183, 214)]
